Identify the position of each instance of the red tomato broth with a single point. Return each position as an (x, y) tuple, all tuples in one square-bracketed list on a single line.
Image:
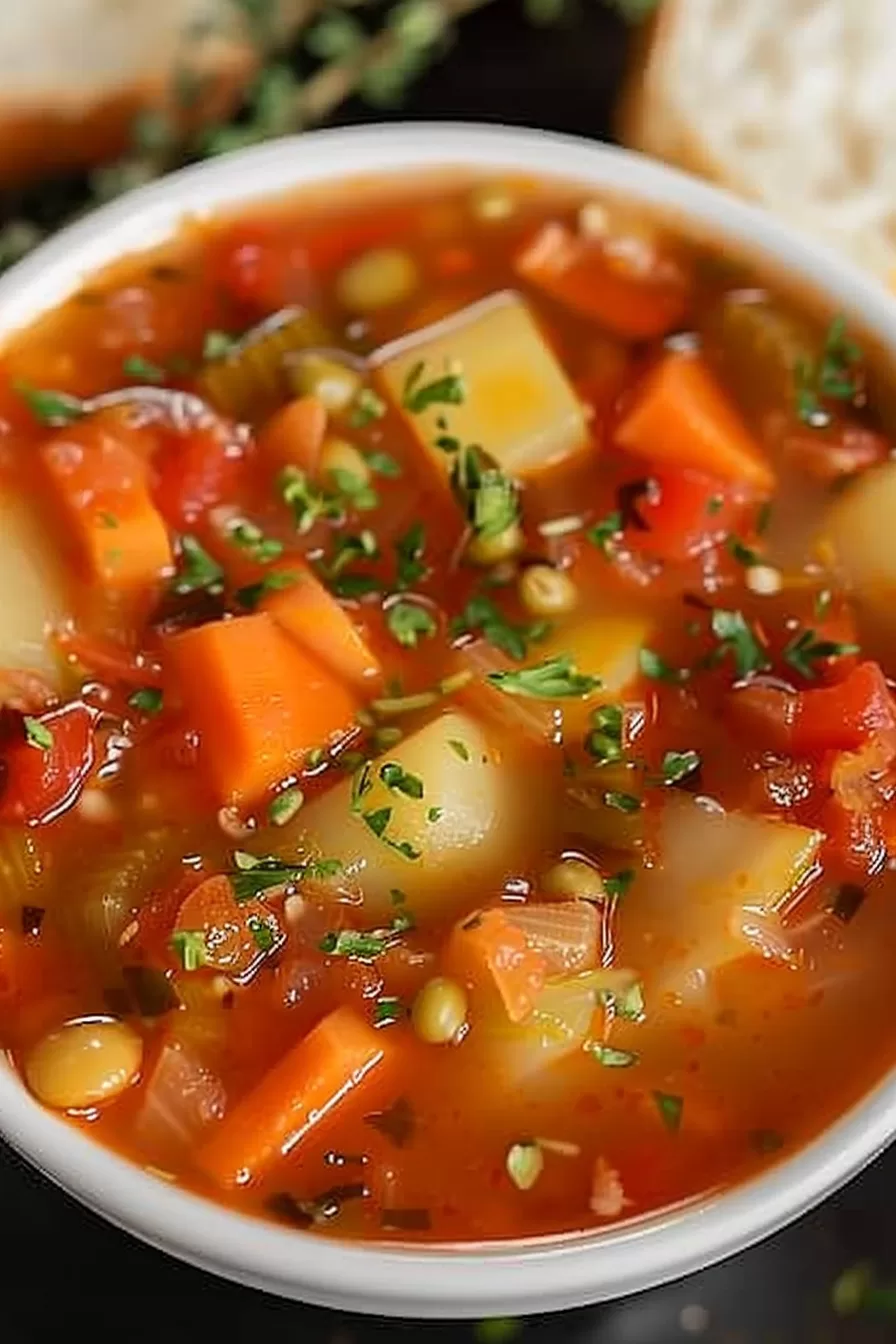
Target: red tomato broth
[(709, 1054)]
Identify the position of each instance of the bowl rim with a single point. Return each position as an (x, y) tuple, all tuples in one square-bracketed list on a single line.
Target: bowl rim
[(481, 1279)]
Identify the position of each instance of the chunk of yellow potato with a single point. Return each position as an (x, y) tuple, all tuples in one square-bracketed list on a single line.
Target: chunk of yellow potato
[(718, 892), (856, 538), (476, 818), (32, 593), (518, 404), (606, 646)]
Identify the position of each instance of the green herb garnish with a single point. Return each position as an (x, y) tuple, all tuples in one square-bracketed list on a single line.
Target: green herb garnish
[(50, 408), (409, 622), (135, 366), (361, 945), (148, 700), (627, 1003), (399, 780), (606, 531), (736, 635), (835, 376), (190, 948), (449, 390), (250, 596), (252, 540), (622, 802), (354, 491), (409, 551), (308, 503), (37, 734), (387, 1010), (555, 679), (743, 553), (285, 806), (460, 749), (357, 546), (617, 884), (218, 345), (252, 874), (524, 1163), (677, 765), (655, 667), (604, 742), (804, 649), (671, 1109), (482, 614), (367, 408), (262, 933), (610, 1057), (198, 571)]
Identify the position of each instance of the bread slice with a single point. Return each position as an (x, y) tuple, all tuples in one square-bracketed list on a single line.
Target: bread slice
[(75, 73), (793, 104)]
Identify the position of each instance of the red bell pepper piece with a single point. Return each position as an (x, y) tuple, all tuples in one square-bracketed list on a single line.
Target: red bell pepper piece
[(45, 762), (842, 717), (685, 513)]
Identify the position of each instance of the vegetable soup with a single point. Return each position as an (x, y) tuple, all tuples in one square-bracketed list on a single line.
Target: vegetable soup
[(448, 752)]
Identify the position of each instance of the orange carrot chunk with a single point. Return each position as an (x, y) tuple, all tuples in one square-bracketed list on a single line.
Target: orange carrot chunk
[(330, 1069), (682, 417), (488, 952), (293, 437), (314, 619), (97, 480), (258, 701), (580, 274)]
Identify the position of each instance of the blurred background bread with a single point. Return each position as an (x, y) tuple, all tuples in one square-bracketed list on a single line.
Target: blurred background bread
[(76, 74), (792, 102)]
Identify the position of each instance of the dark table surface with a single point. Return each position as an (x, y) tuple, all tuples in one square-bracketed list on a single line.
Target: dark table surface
[(67, 1274)]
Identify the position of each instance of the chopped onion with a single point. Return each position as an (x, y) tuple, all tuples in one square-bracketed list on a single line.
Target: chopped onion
[(565, 933)]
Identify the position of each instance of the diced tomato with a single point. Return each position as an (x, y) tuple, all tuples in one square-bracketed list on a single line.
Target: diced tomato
[(195, 471), (842, 717), (42, 781), (855, 839), (264, 265), (109, 660), (685, 513)]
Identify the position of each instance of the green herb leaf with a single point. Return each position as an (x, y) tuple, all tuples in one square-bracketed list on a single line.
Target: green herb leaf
[(742, 553), (524, 1163), (37, 734), (604, 742), (285, 806), (354, 490), (250, 596), (253, 541), (655, 667), (377, 820), (804, 649), (835, 376), (409, 551), (357, 546), (495, 504), (715, 504), (482, 614), (399, 780), (618, 883), (677, 765), (627, 1004), (198, 571), (435, 814), (383, 464), (361, 945), (148, 700), (387, 1010), (555, 679), (409, 622), (253, 874), (308, 503), (50, 408), (622, 802), (135, 366), (460, 749), (449, 390), (734, 634), (671, 1109), (367, 408), (610, 1057), (218, 345), (606, 531), (189, 947), (262, 933)]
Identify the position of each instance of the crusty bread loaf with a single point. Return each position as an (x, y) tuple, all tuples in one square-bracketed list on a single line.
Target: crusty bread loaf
[(792, 102), (74, 73)]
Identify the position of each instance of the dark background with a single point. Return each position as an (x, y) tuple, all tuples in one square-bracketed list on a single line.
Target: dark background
[(66, 1274)]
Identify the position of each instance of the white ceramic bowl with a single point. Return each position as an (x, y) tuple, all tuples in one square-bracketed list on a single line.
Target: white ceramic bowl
[(434, 1281)]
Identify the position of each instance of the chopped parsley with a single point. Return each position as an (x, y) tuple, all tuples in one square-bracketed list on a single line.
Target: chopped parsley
[(606, 531), (409, 551), (655, 667), (252, 874), (285, 806), (743, 553), (383, 464), (250, 596), (459, 748), (218, 345), (355, 492), (252, 540), (409, 622), (135, 366), (736, 636), (435, 814), (622, 802), (671, 1108), (357, 546), (715, 504), (482, 614), (555, 679), (50, 408), (822, 604), (617, 884), (490, 499), (308, 503), (37, 734), (610, 1057), (835, 376), (627, 1003), (604, 742), (190, 948), (387, 1010), (361, 945), (399, 780), (524, 1163), (367, 408), (198, 571), (805, 649), (262, 933), (449, 390), (677, 765), (148, 700)]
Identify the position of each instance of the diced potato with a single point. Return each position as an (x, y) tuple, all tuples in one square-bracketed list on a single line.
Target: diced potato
[(518, 406), (856, 539), (32, 593), (605, 646), (477, 818), (718, 893), (596, 806)]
